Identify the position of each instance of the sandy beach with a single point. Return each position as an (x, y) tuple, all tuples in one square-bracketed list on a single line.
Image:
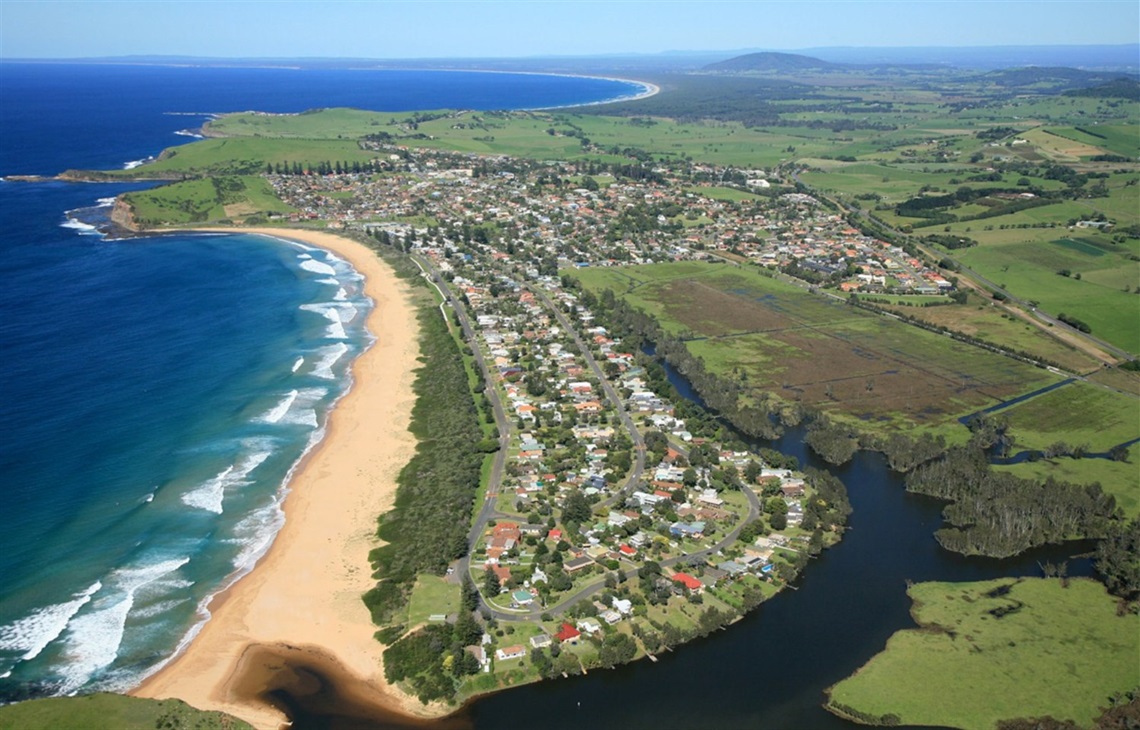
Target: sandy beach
[(303, 599)]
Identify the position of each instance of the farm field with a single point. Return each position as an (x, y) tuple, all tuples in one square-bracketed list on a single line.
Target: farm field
[(998, 650), (1079, 414), (1032, 270), (816, 350), (988, 321)]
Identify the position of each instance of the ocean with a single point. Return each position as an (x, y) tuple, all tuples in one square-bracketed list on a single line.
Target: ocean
[(158, 391)]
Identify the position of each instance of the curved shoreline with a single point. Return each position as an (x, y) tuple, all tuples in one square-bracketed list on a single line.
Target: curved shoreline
[(648, 88), (304, 595)]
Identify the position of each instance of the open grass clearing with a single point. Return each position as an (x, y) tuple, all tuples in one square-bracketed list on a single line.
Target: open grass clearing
[(1029, 269), (997, 650), (432, 596)]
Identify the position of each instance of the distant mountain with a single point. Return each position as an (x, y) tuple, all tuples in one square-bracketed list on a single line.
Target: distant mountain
[(1122, 57), (1122, 88), (1049, 78), (774, 62)]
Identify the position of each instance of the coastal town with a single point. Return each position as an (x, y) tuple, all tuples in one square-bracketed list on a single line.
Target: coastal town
[(566, 214), (610, 527)]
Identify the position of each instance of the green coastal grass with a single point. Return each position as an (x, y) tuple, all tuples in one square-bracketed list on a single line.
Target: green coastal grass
[(111, 712), (980, 657), (205, 200)]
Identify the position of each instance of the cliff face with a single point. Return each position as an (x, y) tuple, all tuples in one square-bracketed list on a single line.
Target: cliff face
[(122, 214)]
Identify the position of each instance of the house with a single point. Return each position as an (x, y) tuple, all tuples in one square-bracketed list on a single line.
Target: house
[(589, 626), (710, 497), (503, 574), (567, 633), (541, 641), (522, 597), (793, 489), (627, 551), (610, 616), (480, 656), (692, 530), (688, 581), (518, 651), (577, 564), (623, 606), (732, 568)]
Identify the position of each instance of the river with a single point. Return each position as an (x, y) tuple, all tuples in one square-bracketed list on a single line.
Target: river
[(770, 669)]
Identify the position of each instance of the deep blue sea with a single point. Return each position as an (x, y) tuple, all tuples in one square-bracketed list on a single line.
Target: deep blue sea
[(157, 392)]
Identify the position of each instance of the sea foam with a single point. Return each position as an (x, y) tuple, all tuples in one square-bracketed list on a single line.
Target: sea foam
[(332, 312), (317, 267), (85, 229), (329, 357), (32, 633), (210, 494), (93, 638), (277, 412)]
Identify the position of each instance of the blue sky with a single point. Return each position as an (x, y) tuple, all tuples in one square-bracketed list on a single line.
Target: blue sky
[(474, 28)]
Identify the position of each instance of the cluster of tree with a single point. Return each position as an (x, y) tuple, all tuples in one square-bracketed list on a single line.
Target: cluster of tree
[(835, 442), (1121, 88), (995, 133), (890, 719), (433, 659), (829, 506), (903, 452), (950, 241), (324, 167), (1122, 713), (1118, 560), (999, 514), (1073, 322), (427, 527)]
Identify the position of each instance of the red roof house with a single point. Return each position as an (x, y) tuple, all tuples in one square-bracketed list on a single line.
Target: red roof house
[(567, 633)]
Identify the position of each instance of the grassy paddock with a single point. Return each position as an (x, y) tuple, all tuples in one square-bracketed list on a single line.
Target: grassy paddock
[(1078, 413), (998, 650)]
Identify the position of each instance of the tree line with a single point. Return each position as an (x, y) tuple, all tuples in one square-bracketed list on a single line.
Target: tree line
[(998, 514), (427, 527)]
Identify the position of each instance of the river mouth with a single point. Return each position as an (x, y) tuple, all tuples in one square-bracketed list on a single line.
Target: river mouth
[(316, 693)]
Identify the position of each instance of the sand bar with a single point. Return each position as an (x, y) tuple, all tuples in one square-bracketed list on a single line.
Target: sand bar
[(304, 594)]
